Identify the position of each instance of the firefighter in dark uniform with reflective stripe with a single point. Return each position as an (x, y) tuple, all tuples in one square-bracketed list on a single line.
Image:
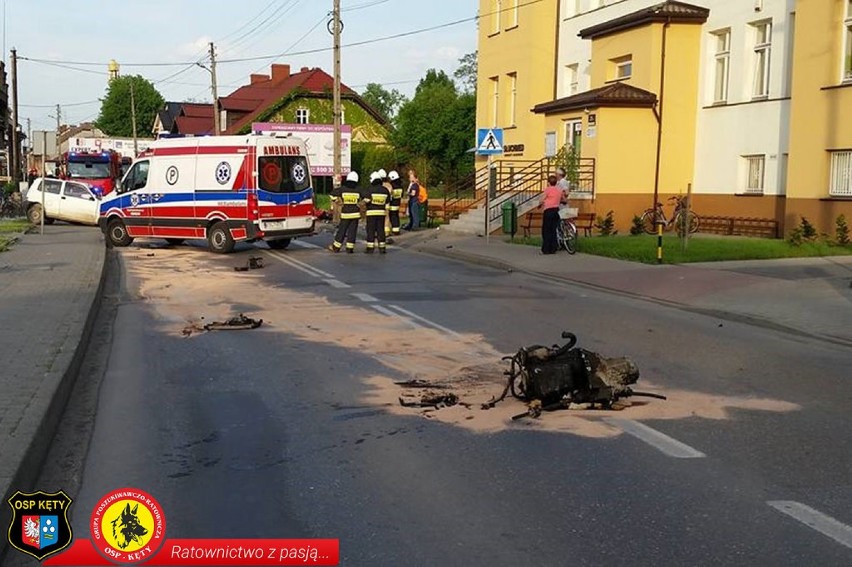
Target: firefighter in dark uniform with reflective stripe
[(349, 197), (395, 200), (378, 200)]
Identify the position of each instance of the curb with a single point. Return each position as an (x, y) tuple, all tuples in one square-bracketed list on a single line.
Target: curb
[(71, 358), (719, 314)]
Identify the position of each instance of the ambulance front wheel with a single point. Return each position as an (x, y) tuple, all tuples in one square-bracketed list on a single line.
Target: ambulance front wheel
[(219, 238), (117, 233), (279, 244)]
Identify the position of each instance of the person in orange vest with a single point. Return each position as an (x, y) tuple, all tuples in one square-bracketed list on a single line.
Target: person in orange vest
[(378, 200)]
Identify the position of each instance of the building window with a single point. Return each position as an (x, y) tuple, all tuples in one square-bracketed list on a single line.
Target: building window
[(497, 6), (303, 116), (762, 48), (571, 8), (723, 61), (847, 50), (495, 99), (755, 168), (841, 174), (623, 67), (513, 97), (515, 13), (572, 79)]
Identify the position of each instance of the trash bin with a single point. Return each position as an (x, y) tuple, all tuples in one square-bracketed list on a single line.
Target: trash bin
[(510, 218)]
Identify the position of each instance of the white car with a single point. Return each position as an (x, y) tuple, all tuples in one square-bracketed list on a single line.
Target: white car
[(63, 200)]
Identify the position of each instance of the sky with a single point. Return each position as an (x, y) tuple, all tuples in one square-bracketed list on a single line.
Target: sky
[(76, 41)]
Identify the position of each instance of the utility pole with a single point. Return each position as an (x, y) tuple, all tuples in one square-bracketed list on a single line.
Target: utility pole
[(58, 118), (133, 119), (217, 127), (16, 158), (336, 25)]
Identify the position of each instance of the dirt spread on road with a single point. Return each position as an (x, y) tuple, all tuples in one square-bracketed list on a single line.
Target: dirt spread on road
[(188, 290)]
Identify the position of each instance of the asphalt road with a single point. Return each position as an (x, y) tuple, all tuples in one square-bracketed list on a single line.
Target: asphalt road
[(264, 434)]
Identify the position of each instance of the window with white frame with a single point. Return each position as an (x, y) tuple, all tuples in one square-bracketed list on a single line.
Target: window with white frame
[(495, 99), (513, 98), (303, 115), (755, 167), (571, 8), (762, 50), (496, 9), (572, 79), (722, 41), (623, 67), (847, 47), (841, 174), (516, 5)]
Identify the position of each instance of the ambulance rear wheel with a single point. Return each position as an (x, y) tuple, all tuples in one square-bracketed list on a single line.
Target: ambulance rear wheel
[(280, 244), (117, 233), (219, 238)]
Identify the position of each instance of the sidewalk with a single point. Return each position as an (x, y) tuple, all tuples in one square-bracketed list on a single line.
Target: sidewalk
[(808, 296), (51, 287)]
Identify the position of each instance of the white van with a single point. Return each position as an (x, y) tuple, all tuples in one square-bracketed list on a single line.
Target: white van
[(225, 189)]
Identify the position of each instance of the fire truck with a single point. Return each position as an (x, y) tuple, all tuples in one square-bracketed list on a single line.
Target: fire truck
[(100, 170)]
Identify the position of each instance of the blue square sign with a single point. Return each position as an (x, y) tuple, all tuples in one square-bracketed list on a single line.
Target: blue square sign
[(489, 141)]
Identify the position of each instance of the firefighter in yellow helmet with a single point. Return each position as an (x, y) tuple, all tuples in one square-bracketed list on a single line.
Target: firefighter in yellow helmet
[(349, 195), (378, 200)]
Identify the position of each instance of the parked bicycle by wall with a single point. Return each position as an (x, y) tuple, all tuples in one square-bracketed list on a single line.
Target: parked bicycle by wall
[(680, 217)]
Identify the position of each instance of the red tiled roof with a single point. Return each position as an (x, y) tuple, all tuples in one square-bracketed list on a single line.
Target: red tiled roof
[(194, 125), (613, 95), (670, 11), (197, 110)]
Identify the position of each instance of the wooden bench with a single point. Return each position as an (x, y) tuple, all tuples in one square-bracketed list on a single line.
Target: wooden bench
[(583, 221), (739, 226)]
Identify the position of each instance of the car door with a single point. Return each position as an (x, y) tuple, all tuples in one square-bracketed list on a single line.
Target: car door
[(136, 200), (78, 204), (51, 189)]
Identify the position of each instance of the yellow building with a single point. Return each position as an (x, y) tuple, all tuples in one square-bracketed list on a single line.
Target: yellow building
[(516, 71), (820, 165)]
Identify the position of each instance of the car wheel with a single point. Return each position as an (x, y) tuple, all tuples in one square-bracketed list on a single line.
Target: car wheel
[(280, 244), (117, 233), (175, 241), (34, 214), (219, 238)]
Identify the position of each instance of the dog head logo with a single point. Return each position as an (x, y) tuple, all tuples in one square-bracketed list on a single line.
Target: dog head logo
[(128, 525)]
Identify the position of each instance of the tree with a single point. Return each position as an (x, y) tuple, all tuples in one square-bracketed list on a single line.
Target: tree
[(115, 118), (466, 72), (385, 102)]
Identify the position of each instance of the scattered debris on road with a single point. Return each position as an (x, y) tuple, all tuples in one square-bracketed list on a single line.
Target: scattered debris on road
[(430, 400), (253, 263), (238, 323)]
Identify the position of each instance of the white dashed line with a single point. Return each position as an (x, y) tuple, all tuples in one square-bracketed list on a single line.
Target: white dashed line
[(389, 313), (427, 321), (292, 264), (337, 284), (669, 446), (816, 520), (317, 270), (303, 244), (365, 297)]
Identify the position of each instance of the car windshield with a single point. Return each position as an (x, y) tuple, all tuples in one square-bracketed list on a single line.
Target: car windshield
[(88, 170)]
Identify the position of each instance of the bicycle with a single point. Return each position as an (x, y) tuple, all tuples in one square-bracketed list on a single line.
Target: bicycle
[(650, 216), (566, 232), (11, 206)]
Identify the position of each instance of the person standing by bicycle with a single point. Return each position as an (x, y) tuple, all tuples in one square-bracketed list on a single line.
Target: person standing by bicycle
[(551, 198)]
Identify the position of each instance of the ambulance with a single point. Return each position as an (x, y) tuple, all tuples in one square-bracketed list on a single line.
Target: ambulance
[(225, 189)]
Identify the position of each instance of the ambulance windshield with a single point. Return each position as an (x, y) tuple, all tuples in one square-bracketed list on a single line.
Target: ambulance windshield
[(280, 174)]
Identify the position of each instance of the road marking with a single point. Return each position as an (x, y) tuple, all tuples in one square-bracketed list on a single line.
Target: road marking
[(303, 244), (814, 519), (317, 270), (669, 446), (337, 284), (365, 297), (427, 321), (389, 313), (294, 265)]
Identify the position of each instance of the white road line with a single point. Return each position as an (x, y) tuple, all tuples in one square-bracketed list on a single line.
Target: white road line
[(427, 321), (317, 270), (365, 297), (337, 284), (389, 313), (294, 265), (303, 244), (814, 519), (669, 446)]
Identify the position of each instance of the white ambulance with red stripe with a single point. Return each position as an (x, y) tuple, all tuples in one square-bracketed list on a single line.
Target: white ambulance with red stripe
[(225, 189)]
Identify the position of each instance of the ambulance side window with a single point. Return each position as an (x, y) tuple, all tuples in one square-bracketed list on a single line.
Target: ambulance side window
[(136, 178), (280, 174)]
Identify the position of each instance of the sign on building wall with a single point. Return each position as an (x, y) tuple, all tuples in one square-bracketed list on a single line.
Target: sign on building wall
[(121, 145), (319, 139), (550, 144)]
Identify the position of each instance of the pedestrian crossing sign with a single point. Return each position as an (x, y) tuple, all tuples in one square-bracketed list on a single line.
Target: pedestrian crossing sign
[(489, 141)]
